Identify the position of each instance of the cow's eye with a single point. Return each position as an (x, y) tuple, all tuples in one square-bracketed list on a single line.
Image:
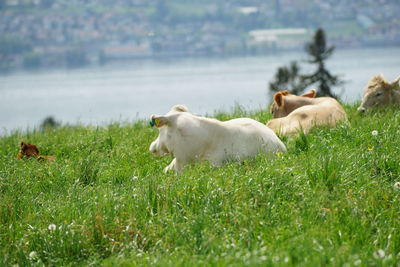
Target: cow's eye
[(378, 93)]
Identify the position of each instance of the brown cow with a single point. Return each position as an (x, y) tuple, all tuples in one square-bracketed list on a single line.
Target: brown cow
[(30, 150), (380, 92), (294, 113)]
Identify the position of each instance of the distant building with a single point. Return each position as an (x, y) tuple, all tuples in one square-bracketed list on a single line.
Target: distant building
[(127, 51), (12, 2), (289, 38), (365, 21), (247, 10)]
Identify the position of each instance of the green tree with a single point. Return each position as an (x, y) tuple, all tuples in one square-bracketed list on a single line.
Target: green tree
[(76, 57), (47, 3), (288, 78), (32, 60), (319, 52), (161, 10), (49, 122), (13, 46)]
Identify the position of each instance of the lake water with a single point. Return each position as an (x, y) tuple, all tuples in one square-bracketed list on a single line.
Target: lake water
[(135, 90)]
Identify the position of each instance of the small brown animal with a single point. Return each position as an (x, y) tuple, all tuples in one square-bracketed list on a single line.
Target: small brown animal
[(30, 150), (294, 113), (380, 92)]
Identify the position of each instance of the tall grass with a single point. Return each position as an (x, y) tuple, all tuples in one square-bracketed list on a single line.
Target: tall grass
[(330, 200)]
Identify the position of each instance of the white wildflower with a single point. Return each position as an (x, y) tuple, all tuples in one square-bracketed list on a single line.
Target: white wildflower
[(397, 185), (374, 132), (52, 227), (33, 255), (263, 258), (379, 254)]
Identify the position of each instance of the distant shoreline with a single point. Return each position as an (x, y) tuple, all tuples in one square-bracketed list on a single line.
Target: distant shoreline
[(91, 61)]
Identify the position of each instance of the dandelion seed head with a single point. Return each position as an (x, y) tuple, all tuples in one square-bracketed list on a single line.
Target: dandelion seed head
[(374, 132), (52, 227)]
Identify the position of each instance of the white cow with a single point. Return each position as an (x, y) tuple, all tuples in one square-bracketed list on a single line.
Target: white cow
[(189, 139)]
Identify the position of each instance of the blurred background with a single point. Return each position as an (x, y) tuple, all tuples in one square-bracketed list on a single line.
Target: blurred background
[(93, 62)]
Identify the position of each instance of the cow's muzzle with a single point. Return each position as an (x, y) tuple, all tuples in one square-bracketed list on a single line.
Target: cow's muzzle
[(361, 109)]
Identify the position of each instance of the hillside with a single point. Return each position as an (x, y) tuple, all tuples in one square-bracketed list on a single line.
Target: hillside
[(48, 33), (331, 200)]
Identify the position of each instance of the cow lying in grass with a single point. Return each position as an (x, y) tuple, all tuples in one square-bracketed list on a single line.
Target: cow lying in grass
[(380, 92), (294, 113), (189, 139), (30, 150)]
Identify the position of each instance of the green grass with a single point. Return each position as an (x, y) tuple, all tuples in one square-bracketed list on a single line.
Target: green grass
[(345, 28), (330, 200)]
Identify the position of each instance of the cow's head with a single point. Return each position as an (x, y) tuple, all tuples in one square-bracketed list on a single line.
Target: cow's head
[(378, 92), (284, 102), (161, 146), (27, 150)]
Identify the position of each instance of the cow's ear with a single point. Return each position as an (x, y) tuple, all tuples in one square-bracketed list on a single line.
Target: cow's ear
[(311, 94), (396, 83), (159, 121), (22, 145), (278, 98), (285, 92), (179, 108)]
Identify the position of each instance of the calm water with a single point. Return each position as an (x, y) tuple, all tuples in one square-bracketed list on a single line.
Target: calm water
[(128, 91)]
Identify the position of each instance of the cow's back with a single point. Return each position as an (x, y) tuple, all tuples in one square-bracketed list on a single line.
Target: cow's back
[(325, 111), (256, 135)]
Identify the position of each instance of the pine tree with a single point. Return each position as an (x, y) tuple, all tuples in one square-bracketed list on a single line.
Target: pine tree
[(288, 78), (319, 52)]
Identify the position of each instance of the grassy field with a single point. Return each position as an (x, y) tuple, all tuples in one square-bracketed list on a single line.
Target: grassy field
[(331, 200)]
